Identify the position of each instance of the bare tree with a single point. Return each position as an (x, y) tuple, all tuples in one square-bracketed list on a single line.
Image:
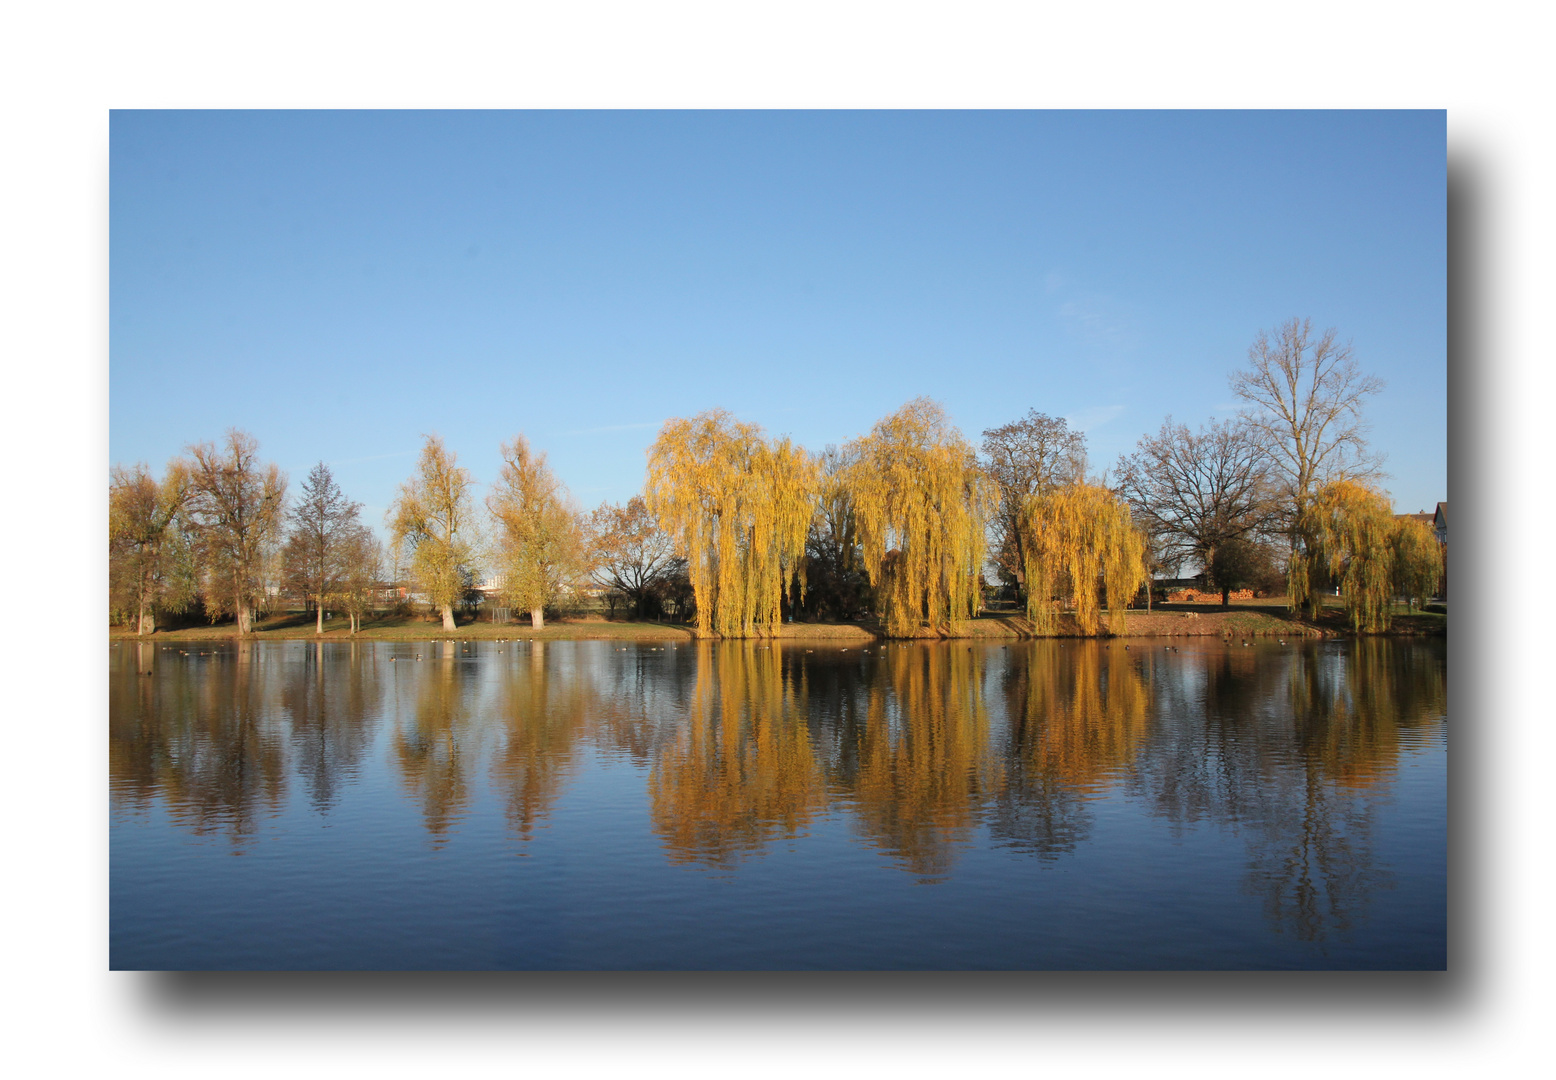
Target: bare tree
[(1193, 493), (237, 505), (630, 553), (149, 563), (1306, 395), (323, 522), (433, 522), (1031, 456), (362, 565)]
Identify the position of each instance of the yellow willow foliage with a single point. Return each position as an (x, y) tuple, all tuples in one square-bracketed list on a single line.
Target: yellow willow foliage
[(1080, 538), (739, 508), (1082, 713), (925, 765), (1347, 527), (920, 506), (741, 771), (1354, 726), (1418, 559)]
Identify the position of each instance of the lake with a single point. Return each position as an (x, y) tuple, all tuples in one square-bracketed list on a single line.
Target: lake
[(614, 805)]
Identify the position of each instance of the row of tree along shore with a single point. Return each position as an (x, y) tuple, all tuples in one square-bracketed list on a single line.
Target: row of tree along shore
[(907, 529)]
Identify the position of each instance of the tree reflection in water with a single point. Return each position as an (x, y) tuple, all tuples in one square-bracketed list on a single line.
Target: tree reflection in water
[(740, 771), (194, 735), (543, 716), (912, 758), (920, 747), (329, 699), (1294, 750), (1352, 708), (1076, 718), (436, 750)]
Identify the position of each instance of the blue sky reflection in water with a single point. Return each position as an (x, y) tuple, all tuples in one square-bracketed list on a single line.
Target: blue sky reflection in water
[(594, 805)]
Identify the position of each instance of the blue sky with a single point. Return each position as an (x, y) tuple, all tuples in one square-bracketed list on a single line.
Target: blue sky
[(339, 283)]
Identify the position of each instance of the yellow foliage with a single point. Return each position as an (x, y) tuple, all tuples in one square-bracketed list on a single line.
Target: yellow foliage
[(1080, 714), (539, 544), (920, 506), (1347, 527), (741, 770), (924, 761), (433, 519), (1418, 559), (739, 508), (1079, 539)]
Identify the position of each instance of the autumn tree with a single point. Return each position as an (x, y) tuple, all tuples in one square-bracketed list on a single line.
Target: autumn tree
[(238, 507), (1348, 530), (1080, 539), (630, 553), (1030, 456), (920, 505), (316, 555), (433, 523), (738, 507), (1193, 492), (1305, 395), (835, 582), (539, 545), (1418, 559), (149, 563)]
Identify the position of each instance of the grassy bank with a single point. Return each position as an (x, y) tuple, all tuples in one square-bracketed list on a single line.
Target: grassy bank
[(1247, 618)]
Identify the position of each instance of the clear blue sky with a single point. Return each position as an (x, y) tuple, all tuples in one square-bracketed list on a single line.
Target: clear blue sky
[(338, 283)]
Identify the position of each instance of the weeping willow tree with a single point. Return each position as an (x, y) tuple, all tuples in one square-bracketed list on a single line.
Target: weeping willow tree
[(1347, 528), (1080, 539), (920, 505), (1418, 559), (739, 508)]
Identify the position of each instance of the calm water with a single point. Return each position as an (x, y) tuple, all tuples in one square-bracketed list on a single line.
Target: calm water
[(600, 805)]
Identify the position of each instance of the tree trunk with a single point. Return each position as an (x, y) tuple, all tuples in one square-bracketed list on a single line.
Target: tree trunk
[(1226, 596), (318, 627), (245, 617), (448, 617), (147, 623), (537, 618)]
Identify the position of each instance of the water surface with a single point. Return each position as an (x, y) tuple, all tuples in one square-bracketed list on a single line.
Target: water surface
[(520, 804)]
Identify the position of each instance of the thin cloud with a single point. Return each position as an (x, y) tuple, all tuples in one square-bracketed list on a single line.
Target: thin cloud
[(1097, 319), (1089, 419)]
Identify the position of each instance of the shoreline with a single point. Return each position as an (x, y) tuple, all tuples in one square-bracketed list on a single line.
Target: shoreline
[(1201, 623)]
